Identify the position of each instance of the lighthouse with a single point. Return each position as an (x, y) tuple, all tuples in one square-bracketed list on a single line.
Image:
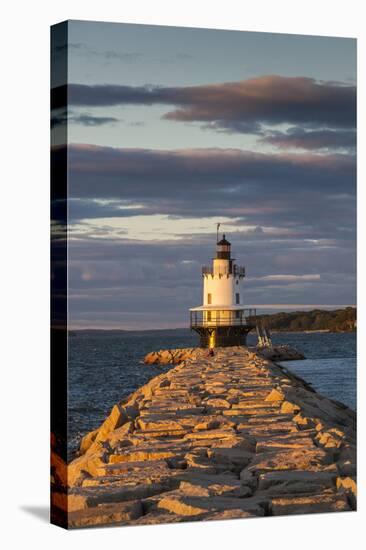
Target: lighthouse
[(222, 320)]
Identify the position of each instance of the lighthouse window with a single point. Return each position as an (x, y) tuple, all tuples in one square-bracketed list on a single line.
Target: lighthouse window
[(209, 316), (209, 298), (237, 298), (237, 314)]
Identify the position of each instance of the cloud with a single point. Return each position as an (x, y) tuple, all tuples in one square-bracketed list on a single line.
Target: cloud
[(90, 120), (291, 278), (83, 49), (60, 117), (234, 106), (298, 138), (79, 209), (215, 176)]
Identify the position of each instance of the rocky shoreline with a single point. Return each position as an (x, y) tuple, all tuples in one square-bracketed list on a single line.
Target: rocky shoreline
[(229, 436)]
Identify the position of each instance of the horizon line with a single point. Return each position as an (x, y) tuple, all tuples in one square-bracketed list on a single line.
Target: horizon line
[(185, 326)]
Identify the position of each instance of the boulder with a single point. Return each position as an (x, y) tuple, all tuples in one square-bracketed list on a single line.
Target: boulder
[(285, 442), (87, 440), (347, 484), (248, 478), (206, 425), (180, 504), (81, 498), (160, 425), (237, 457), (216, 403), (244, 441), (296, 459), (209, 485), (117, 417), (106, 514), (289, 408), (117, 436), (86, 464), (151, 358), (312, 504), (331, 438), (141, 455), (218, 433), (165, 383), (295, 482), (275, 395)]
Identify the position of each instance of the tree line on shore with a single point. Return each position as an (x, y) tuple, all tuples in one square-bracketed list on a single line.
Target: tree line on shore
[(339, 320)]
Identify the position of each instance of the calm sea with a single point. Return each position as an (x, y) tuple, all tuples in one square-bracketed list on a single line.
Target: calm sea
[(105, 368)]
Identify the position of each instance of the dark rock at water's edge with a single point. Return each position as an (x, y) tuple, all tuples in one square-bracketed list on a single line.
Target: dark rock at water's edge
[(281, 353)]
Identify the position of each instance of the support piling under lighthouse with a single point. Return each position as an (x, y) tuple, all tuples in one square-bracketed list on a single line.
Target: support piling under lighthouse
[(221, 337)]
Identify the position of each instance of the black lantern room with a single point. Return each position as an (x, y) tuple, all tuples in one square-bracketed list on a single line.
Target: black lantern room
[(223, 249)]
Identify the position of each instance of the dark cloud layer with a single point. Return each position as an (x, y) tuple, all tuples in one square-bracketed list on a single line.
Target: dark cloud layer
[(298, 138), (60, 117), (90, 120), (234, 106), (217, 174), (305, 195)]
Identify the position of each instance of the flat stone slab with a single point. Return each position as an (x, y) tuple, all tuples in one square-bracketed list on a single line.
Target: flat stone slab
[(295, 482), (312, 504), (115, 514), (185, 505)]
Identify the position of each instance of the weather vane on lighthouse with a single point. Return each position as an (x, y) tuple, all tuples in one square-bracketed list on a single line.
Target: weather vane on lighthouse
[(222, 320), (217, 232)]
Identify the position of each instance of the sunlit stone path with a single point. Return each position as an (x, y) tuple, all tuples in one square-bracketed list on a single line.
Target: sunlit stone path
[(228, 436)]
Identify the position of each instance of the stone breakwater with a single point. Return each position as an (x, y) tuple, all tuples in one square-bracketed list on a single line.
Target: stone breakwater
[(228, 436), (175, 356)]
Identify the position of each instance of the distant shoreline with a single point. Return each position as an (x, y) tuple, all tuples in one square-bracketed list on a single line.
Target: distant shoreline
[(171, 330), (301, 322)]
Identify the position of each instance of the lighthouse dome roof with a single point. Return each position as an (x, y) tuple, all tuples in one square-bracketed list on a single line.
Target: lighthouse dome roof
[(224, 241)]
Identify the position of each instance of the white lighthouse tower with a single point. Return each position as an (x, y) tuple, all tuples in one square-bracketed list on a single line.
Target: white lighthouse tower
[(222, 320)]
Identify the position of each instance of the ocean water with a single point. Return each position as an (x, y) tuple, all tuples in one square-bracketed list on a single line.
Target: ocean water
[(104, 368)]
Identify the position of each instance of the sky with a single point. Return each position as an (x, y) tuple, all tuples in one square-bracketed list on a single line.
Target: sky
[(171, 130)]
